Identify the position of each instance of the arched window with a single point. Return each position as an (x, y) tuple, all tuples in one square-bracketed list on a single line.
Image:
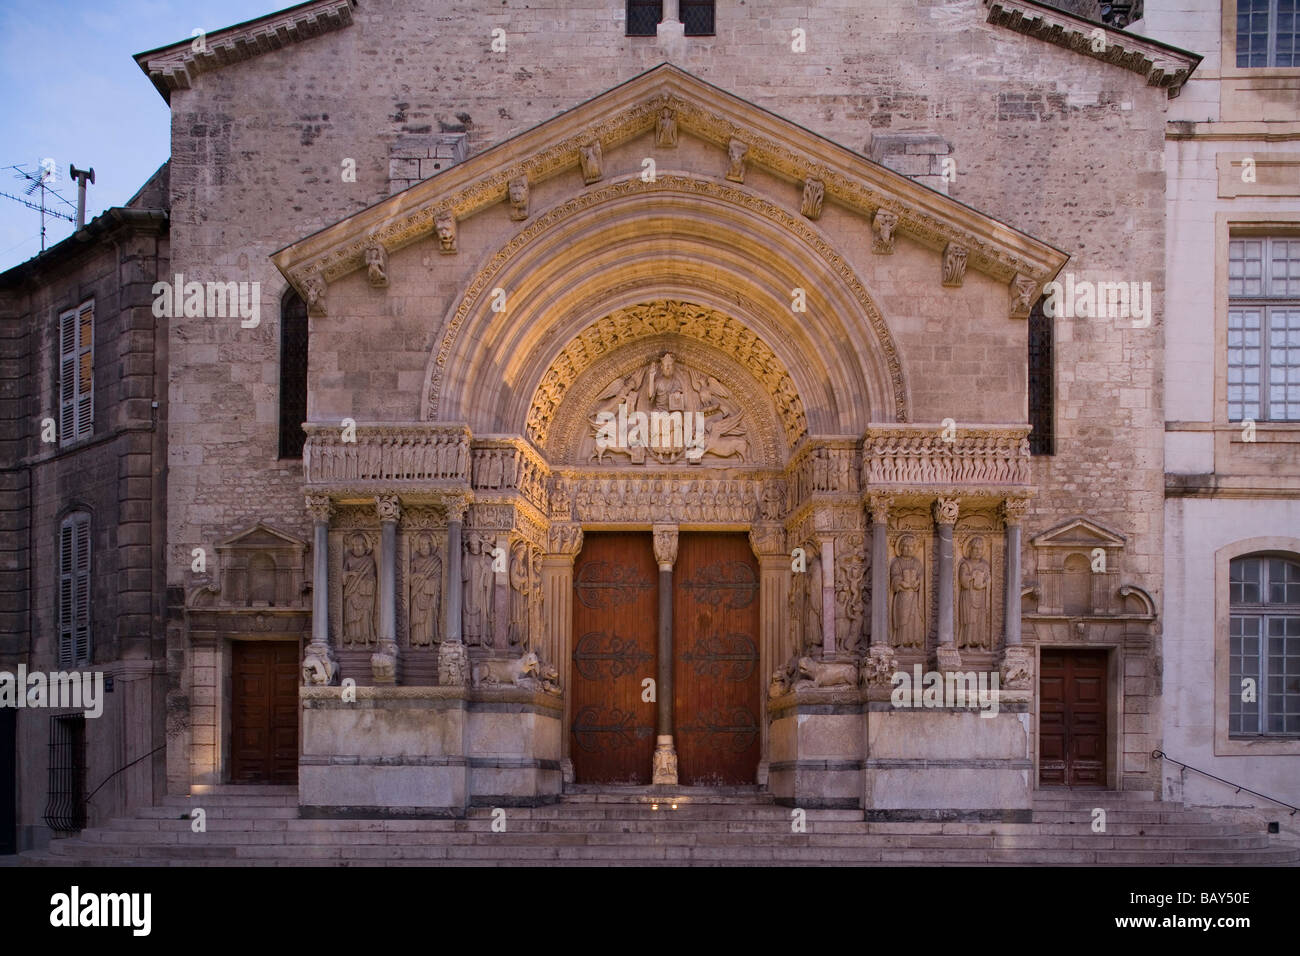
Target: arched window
[(74, 590), (1264, 646), (293, 374)]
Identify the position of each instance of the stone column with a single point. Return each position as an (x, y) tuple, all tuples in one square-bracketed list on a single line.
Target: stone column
[(564, 541), (1017, 660), (827, 543), (945, 516), (453, 662), (879, 667), (768, 542), (383, 663), (664, 768), (319, 665), (672, 11)]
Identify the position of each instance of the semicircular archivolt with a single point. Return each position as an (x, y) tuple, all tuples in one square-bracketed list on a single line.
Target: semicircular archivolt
[(666, 317), (474, 305)]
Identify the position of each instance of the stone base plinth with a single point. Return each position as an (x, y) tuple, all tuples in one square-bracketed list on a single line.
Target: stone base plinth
[(816, 740), (947, 764)]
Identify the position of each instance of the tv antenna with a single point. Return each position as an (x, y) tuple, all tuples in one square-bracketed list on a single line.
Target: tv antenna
[(40, 181)]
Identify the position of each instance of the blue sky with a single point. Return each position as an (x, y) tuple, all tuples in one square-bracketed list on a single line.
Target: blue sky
[(72, 92)]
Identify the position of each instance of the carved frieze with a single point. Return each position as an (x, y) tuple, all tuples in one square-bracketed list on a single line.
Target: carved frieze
[(918, 456), (385, 455), (658, 498)]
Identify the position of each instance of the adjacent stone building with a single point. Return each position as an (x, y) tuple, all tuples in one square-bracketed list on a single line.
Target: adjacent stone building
[(84, 438)]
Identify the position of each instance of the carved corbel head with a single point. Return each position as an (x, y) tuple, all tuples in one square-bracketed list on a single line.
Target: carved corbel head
[(444, 225), (376, 264)]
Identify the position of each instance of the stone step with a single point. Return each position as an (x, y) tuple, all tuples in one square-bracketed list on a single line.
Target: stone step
[(1086, 796), (209, 800)]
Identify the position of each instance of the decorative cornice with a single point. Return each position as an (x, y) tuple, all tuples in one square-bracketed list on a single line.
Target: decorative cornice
[(709, 113), (1162, 65), (175, 66)]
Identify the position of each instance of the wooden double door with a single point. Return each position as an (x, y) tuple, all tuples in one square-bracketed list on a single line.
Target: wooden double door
[(264, 712), (1072, 718), (716, 682)]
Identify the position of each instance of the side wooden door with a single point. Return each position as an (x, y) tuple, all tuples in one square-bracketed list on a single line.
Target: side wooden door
[(717, 689), (615, 615), (1072, 719), (264, 712)]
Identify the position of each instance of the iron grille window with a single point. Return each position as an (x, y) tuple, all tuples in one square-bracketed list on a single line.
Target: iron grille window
[(65, 807), (697, 16), (1264, 646), (74, 590), (1264, 329), (293, 374), (643, 17), (1268, 33), (1042, 440), (77, 373)]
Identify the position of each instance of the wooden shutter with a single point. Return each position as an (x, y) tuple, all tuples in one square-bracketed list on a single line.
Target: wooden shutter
[(74, 591), (77, 373)]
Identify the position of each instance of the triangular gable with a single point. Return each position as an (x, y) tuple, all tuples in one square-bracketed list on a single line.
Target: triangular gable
[(705, 111), (261, 535), (1079, 533)]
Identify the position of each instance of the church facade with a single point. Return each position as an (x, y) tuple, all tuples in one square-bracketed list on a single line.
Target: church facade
[(677, 409)]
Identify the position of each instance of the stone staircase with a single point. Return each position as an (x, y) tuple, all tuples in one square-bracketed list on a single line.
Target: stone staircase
[(251, 825)]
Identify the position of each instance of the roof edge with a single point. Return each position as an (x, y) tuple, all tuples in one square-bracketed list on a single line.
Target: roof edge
[(1163, 65), (174, 66)]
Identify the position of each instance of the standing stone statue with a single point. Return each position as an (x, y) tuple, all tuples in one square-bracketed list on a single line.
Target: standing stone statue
[(426, 591), (477, 581), (813, 628), (359, 591), (519, 594), (973, 604), (907, 591)]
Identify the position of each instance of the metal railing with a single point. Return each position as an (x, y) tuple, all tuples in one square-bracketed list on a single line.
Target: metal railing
[(1237, 788)]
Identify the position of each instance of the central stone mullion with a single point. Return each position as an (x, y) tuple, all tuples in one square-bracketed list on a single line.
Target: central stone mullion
[(664, 767)]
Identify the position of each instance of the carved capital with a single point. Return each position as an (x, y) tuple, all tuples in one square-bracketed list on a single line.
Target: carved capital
[(954, 264), (1013, 510), (879, 507), (945, 511), (665, 545), (456, 506), (883, 225), (564, 539), (319, 507), (388, 507), (767, 539), (1018, 668), (1024, 290), (814, 193)]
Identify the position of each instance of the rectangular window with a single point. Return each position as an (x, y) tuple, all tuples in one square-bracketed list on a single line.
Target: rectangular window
[(1264, 329), (643, 17), (1041, 405), (697, 17), (65, 807), (77, 374), (74, 591), (1266, 33), (1264, 647)]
